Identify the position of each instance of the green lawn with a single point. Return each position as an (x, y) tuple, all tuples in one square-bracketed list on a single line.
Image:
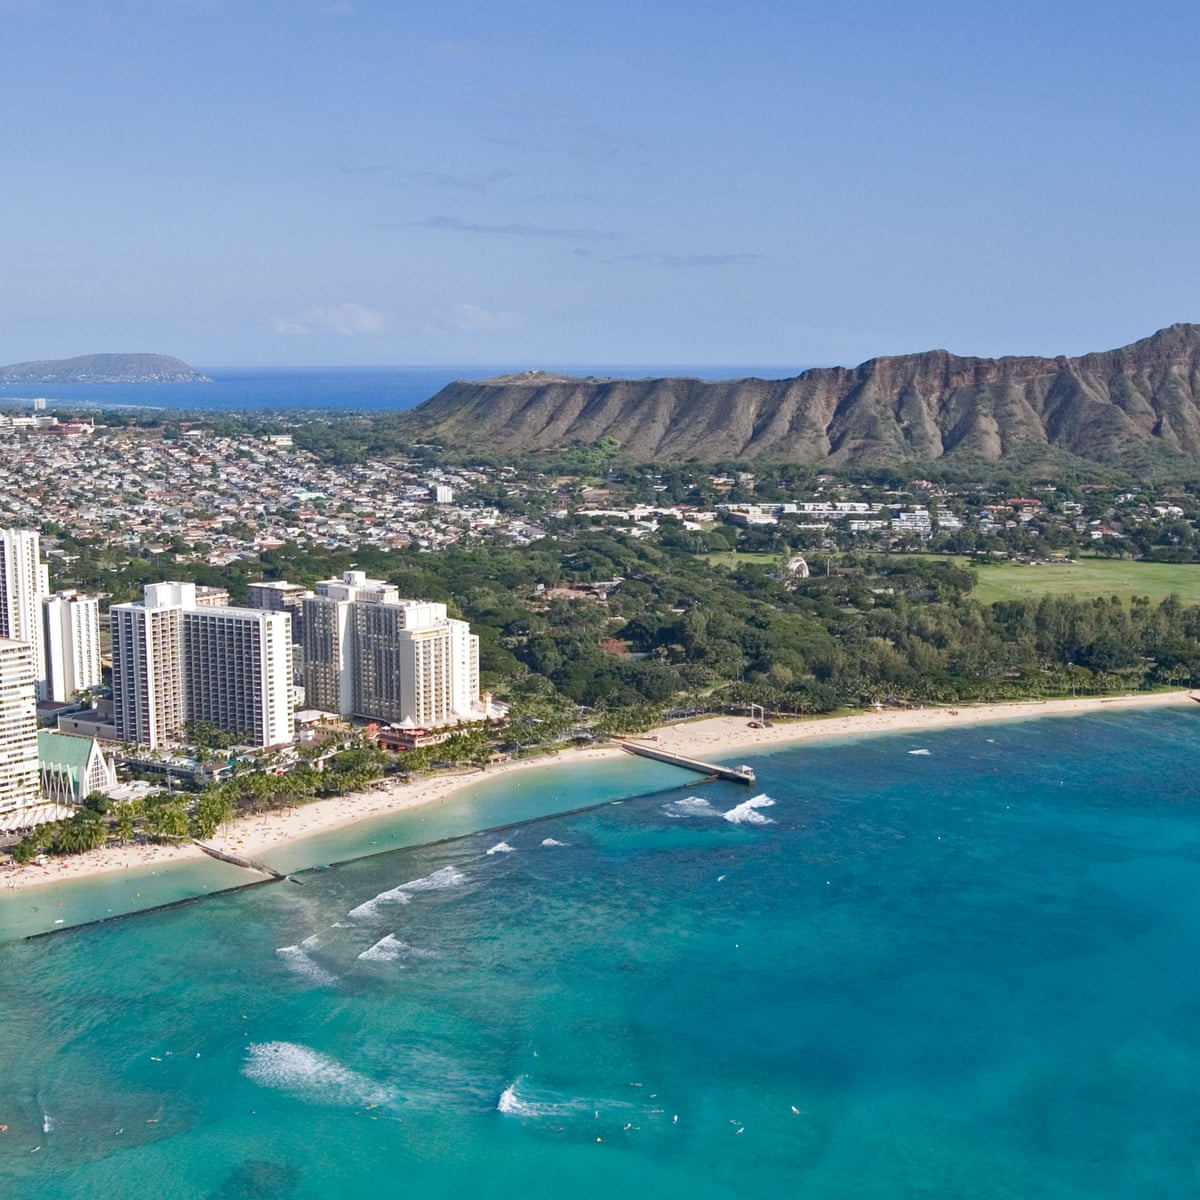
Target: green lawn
[(1087, 578), (732, 558)]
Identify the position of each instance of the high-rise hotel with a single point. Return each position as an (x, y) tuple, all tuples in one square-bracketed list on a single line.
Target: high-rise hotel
[(19, 785), (71, 635), (177, 661), (369, 653), (63, 630), (24, 581)]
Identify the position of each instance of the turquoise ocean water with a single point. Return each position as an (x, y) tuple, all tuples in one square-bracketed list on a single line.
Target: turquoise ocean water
[(960, 964)]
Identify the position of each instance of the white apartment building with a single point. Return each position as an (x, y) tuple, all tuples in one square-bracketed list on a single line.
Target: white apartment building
[(71, 635), (24, 580), (238, 672), (19, 783), (176, 660), (147, 666), (371, 654)]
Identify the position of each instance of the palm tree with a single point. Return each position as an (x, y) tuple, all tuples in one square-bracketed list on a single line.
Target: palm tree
[(124, 823)]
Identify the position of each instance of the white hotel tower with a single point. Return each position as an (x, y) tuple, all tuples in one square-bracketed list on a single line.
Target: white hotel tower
[(24, 580), (368, 653), (177, 661), (71, 632), (19, 784)]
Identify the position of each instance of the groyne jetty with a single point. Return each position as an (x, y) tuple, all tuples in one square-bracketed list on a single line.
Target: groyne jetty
[(236, 860), (742, 774)]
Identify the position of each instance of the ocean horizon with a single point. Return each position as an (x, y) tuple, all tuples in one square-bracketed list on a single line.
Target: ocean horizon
[(324, 389), (953, 963)]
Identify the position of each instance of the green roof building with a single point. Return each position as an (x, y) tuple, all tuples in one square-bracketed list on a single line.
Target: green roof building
[(72, 767)]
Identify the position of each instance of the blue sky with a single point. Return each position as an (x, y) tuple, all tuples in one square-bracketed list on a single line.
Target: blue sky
[(531, 183)]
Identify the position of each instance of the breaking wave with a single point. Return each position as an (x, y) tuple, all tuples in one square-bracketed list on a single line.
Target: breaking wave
[(446, 877), (747, 812), (312, 1076), (552, 842), (299, 962), (918, 752), (521, 1100), (501, 848), (370, 908), (689, 806), (392, 949)]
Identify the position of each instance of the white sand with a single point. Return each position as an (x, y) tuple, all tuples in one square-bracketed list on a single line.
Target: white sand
[(713, 737)]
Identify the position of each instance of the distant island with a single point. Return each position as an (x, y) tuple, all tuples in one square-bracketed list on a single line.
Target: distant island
[(104, 368)]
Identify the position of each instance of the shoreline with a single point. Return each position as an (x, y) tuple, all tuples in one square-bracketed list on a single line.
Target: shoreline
[(704, 738)]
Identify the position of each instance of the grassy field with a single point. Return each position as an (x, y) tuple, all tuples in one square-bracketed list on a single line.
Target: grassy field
[(1087, 578), (1083, 579), (731, 558)]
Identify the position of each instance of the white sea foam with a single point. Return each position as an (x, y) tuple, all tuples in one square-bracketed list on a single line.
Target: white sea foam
[(312, 1076), (509, 1103), (370, 908), (689, 806), (298, 961), (918, 752), (446, 877), (392, 949), (48, 1123), (524, 1099), (747, 812), (521, 1100), (501, 848), (552, 842)]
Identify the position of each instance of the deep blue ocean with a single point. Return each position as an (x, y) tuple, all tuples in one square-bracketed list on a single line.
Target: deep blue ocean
[(344, 389), (960, 964)]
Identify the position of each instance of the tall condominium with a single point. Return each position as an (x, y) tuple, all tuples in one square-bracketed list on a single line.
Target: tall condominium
[(147, 658), (71, 634), (369, 653), (238, 672), (177, 661), (277, 595), (24, 580), (19, 785)]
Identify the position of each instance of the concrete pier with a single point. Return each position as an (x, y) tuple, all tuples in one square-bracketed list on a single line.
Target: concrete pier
[(741, 774), (236, 861)]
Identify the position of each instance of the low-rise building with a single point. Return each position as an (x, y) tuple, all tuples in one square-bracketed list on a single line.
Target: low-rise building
[(72, 768)]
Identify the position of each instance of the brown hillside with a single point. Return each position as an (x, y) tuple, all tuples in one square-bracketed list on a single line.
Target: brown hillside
[(1106, 407)]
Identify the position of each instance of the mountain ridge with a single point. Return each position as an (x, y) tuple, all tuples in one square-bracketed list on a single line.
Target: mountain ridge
[(1107, 406)]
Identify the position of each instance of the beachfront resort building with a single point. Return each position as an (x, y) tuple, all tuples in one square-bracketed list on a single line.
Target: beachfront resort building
[(18, 727), (24, 581), (238, 672), (71, 635), (370, 653), (177, 661)]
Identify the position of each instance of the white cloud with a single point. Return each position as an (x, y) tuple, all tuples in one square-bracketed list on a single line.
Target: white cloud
[(346, 320), (470, 318)]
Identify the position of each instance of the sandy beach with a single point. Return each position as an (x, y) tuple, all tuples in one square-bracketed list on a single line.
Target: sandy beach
[(707, 737)]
